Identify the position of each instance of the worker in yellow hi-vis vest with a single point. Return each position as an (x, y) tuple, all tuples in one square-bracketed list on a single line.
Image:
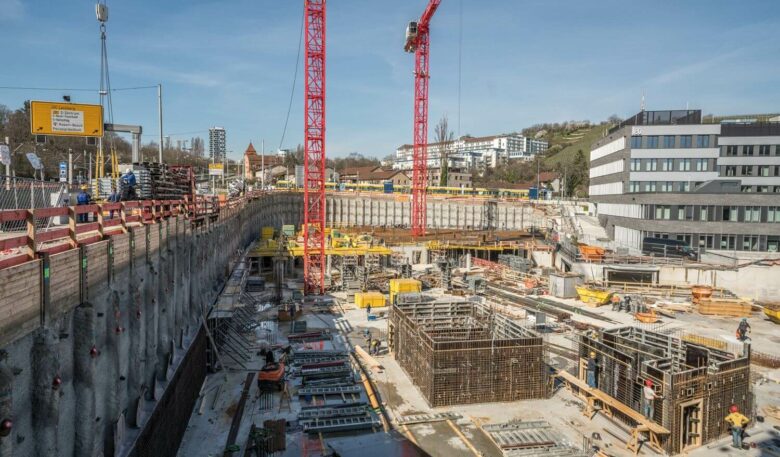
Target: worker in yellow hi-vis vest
[(738, 422)]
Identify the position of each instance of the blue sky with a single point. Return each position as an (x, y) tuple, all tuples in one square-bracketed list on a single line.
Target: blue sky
[(231, 63)]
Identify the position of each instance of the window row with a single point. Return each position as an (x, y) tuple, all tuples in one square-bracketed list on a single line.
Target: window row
[(713, 213), (671, 141), (749, 170), (750, 150), (724, 241), (671, 164)]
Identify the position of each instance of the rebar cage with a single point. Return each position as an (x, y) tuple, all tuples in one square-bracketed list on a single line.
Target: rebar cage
[(459, 352)]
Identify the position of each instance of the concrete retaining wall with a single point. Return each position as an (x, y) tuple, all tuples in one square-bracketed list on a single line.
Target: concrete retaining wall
[(93, 338)]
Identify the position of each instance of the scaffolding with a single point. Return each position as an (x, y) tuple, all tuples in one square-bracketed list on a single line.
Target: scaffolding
[(459, 352), (696, 384)]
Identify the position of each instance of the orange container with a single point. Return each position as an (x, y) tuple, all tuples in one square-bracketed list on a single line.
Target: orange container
[(591, 252), (700, 292)]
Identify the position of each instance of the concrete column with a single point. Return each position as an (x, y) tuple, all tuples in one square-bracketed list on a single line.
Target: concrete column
[(46, 394), (84, 354)]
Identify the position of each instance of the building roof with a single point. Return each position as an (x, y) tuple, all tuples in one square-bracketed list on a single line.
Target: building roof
[(382, 175), (359, 171), (250, 149)]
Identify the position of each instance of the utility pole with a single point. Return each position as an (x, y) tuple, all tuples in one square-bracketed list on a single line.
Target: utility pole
[(70, 167), (262, 164), (159, 110), (8, 165)]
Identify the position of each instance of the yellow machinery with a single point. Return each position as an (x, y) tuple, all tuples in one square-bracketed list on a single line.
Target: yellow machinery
[(375, 299), (403, 285)]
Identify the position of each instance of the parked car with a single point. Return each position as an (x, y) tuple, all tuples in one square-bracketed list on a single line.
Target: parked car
[(668, 248)]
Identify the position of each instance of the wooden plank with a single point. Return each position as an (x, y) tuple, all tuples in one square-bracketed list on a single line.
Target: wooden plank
[(140, 242), (20, 313), (62, 247), (64, 271), (12, 243), (10, 215), (52, 234), (614, 403), (87, 227), (121, 250), (97, 263), (51, 212)]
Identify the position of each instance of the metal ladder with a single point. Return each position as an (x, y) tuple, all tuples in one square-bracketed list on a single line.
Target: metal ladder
[(335, 424), (330, 390)]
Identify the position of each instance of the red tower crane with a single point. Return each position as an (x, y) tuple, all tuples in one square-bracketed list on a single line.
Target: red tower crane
[(418, 41), (314, 149)]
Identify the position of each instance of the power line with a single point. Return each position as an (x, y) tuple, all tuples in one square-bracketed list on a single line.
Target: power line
[(71, 89), (295, 79)]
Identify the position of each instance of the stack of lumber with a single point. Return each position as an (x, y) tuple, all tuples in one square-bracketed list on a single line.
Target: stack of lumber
[(726, 307)]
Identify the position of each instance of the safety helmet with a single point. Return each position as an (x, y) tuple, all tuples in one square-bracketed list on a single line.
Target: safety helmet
[(127, 170), (733, 409), (649, 383), (593, 354), (84, 187), (744, 319)]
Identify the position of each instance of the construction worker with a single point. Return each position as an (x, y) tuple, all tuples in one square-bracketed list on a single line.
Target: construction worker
[(128, 185), (743, 329), (374, 348), (648, 397), (737, 421), (112, 198), (368, 311), (83, 198), (615, 302), (591, 370)]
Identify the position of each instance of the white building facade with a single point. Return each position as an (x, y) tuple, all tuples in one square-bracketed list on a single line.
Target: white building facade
[(470, 152)]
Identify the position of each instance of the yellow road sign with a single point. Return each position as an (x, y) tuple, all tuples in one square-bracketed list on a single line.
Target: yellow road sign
[(216, 169), (66, 119)]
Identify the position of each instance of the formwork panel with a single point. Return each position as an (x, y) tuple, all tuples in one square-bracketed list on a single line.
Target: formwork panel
[(121, 255), (458, 353), (65, 281), (97, 263), (684, 373), (139, 242), (20, 301)]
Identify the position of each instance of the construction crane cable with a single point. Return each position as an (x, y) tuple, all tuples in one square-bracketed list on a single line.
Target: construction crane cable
[(460, 57), (295, 79)]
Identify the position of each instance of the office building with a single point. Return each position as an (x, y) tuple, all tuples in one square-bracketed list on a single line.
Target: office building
[(217, 144), (666, 174)]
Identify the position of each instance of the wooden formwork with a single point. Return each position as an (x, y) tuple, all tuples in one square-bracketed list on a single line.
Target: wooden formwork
[(460, 353)]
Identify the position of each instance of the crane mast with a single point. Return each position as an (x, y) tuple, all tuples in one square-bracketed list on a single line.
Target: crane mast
[(314, 149), (418, 41)]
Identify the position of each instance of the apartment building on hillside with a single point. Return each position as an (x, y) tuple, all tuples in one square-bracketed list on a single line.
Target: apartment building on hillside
[(474, 152), (666, 174)]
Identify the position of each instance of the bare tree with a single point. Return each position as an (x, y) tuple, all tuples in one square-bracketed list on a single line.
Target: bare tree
[(444, 136)]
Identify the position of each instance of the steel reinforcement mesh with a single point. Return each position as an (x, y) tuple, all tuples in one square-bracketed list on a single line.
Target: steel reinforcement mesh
[(683, 373), (464, 354)]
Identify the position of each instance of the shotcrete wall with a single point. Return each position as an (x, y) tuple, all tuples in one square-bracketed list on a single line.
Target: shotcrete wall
[(102, 348), (344, 210)]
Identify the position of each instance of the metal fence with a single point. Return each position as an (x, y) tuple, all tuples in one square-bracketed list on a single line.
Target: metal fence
[(26, 193)]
